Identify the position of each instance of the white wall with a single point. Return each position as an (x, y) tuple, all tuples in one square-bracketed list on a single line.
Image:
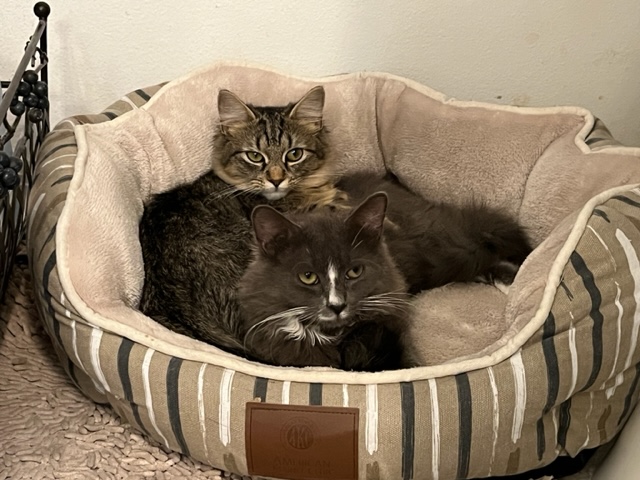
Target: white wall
[(574, 52)]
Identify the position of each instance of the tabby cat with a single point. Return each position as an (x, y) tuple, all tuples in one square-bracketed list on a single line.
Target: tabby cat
[(323, 290), (196, 239), (276, 151)]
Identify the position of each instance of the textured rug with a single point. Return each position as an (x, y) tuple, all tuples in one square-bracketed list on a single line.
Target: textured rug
[(49, 430)]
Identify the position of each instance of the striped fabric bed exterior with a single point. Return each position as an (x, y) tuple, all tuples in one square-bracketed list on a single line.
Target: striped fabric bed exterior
[(572, 385)]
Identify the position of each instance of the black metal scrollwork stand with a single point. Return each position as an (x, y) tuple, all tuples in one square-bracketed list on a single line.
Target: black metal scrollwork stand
[(24, 117)]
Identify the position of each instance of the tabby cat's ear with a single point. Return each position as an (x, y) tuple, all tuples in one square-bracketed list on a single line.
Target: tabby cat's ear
[(232, 111), (367, 220), (308, 110), (272, 229)]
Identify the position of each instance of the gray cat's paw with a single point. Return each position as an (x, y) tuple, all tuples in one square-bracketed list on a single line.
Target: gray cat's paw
[(501, 275), (502, 287)]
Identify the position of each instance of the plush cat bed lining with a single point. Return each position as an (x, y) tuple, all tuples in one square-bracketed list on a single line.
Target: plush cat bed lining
[(97, 230)]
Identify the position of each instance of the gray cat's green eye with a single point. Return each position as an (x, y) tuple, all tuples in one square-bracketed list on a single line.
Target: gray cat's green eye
[(355, 272), (254, 157), (294, 155), (308, 278)]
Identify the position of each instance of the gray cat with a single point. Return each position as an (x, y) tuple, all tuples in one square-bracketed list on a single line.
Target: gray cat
[(323, 290), (434, 244)]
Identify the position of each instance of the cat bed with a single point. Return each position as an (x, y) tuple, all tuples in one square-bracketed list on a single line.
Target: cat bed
[(549, 369)]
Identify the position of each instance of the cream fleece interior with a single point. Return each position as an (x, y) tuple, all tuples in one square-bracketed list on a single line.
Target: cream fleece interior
[(532, 162)]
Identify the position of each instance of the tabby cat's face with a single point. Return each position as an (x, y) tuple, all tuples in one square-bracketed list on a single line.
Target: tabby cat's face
[(312, 279), (271, 150)]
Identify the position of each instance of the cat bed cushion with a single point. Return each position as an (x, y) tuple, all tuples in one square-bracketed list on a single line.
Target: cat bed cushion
[(548, 370)]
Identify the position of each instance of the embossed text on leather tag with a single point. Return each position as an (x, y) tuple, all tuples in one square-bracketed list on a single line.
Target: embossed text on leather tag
[(302, 442)]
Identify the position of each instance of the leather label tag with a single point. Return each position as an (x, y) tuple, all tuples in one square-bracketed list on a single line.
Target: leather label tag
[(300, 442)]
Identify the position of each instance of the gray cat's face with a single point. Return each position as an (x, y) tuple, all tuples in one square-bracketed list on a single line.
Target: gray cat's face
[(271, 150), (313, 278)]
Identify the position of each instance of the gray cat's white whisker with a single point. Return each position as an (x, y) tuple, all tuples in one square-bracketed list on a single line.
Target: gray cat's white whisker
[(385, 303), (319, 337), (304, 326), (387, 306), (312, 315), (294, 329), (380, 308), (392, 293), (392, 297), (289, 316), (393, 300), (388, 300)]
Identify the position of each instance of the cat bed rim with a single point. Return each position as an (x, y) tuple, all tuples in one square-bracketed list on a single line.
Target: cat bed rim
[(327, 375), (587, 115)]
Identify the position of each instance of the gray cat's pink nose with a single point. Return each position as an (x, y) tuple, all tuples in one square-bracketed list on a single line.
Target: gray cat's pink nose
[(337, 308)]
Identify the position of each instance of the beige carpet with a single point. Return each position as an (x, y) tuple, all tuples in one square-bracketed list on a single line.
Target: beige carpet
[(48, 429)]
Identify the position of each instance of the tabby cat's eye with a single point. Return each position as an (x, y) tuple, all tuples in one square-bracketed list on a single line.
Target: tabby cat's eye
[(308, 278), (254, 157), (294, 155), (355, 272)]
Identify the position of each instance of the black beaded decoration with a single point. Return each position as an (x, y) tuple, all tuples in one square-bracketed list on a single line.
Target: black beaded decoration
[(31, 95), (29, 107), (9, 169)]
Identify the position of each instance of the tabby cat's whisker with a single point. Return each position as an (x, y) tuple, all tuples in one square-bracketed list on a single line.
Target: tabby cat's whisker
[(224, 192), (234, 191), (319, 175), (250, 190), (238, 193)]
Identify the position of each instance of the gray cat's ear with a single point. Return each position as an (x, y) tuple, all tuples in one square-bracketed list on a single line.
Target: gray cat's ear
[(367, 220), (232, 111), (272, 229), (308, 110)]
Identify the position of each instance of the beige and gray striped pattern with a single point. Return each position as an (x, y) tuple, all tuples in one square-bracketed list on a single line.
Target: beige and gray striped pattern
[(600, 137), (571, 386)]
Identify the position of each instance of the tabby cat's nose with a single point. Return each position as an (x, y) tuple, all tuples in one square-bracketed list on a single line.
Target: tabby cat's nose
[(276, 175), (276, 181)]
